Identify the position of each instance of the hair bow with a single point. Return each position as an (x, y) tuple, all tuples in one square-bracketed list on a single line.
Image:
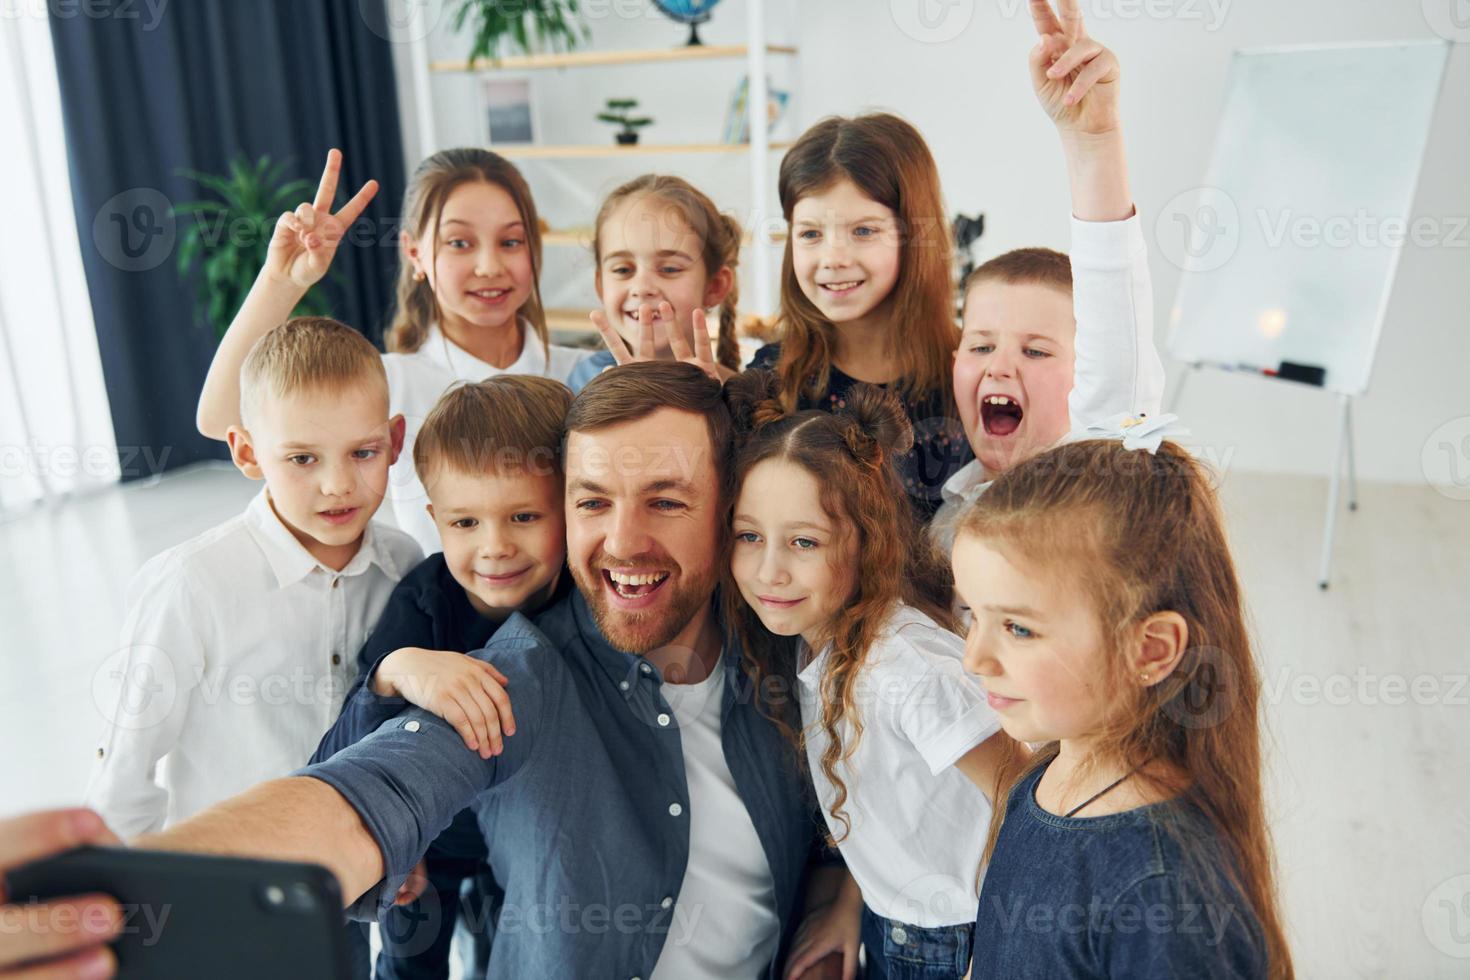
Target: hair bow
[(1136, 431)]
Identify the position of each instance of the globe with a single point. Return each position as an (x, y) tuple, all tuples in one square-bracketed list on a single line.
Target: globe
[(691, 12)]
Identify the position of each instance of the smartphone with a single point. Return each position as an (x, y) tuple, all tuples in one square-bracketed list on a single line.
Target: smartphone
[(191, 915)]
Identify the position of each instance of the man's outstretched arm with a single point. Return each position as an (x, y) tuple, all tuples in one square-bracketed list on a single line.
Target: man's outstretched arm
[(294, 819)]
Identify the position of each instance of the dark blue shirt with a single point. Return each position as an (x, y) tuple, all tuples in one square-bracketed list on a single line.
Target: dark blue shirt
[(940, 448), (1111, 896), (586, 812), (427, 609)]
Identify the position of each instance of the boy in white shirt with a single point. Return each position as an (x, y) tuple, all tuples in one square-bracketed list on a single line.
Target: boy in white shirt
[(1029, 369), (240, 644)]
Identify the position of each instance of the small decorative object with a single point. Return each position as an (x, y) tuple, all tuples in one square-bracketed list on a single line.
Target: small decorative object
[(508, 110), (691, 12), (229, 237), (528, 26), (967, 232), (737, 120), (618, 113), (1135, 431)]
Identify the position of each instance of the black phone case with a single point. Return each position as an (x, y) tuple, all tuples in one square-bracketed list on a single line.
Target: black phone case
[(202, 915)]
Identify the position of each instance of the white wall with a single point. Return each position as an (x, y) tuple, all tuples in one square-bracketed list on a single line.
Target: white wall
[(960, 75)]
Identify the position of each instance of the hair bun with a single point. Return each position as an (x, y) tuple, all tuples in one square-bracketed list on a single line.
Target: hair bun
[(754, 399), (879, 418)]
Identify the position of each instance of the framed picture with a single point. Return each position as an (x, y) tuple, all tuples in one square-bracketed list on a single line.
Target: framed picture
[(737, 117), (508, 110)]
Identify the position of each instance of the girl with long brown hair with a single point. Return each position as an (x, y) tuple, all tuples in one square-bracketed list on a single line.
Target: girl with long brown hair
[(867, 292), (664, 255), (468, 301), (838, 596), (1108, 628)]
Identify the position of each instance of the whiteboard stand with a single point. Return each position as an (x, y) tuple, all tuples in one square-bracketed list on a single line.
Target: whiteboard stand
[(1342, 457), (1342, 453)]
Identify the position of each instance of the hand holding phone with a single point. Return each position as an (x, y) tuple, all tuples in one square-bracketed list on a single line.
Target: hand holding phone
[(68, 935), (168, 915)]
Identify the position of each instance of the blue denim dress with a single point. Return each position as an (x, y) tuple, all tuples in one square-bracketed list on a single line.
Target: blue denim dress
[(1112, 896)]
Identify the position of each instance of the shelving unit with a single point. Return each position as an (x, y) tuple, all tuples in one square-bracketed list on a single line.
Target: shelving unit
[(595, 59), (585, 151), (760, 290)]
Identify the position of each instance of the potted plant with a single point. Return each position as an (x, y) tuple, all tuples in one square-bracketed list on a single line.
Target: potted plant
[(528, 26), (618, 112), (229, 237)]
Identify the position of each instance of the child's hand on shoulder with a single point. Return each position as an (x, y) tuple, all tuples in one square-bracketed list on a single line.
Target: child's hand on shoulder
[(466, 692), (1075, 77), (305, 240)]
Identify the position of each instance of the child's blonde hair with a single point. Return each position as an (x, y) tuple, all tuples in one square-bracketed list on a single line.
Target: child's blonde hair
[(719, 233), (503, 424), (888, 160), (432, 183), (1038, 266), (308, 352), (1139, 533)]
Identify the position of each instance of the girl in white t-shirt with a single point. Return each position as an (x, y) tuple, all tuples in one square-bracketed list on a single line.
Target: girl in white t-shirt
[(838, 595), (468, 300)]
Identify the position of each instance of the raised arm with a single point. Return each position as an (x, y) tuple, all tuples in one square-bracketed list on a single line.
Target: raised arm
[(301, 251), (1076, 81), (1117, 365), (293, 819)]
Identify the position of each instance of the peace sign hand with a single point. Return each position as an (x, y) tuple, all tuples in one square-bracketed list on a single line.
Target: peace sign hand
[(305, 240), (1075, 77), (701, 355)]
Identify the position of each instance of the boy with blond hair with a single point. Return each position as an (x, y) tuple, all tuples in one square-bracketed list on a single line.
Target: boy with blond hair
[(489, 456), (238, 645)]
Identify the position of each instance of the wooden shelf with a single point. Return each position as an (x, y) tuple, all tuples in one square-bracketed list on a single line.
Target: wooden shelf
[(589, 59), (570, 321), (533, 152), (582, 237)]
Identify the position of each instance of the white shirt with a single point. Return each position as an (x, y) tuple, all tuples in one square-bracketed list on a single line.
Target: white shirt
[(1117, 366), (415, 382), (724, 922), (237, 651), (918, 824)]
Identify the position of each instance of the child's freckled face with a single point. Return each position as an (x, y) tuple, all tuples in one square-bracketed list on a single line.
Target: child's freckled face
[(791, 563), (503, 533), (324, 455), (1013, 370), (1035, 643), (479, 266), (845, 251), (651, 255)]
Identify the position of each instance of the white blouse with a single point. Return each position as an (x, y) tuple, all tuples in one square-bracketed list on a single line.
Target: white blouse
[(415, 382), (918, 824)]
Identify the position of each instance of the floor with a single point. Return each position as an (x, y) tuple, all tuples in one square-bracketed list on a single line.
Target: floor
[(1367, 701)]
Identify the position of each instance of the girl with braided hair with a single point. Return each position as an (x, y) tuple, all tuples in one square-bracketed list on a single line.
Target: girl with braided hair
[(664, 254), (838, 597)]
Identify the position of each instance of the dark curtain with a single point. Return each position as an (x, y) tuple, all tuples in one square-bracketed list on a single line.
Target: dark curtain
[(149, 87)]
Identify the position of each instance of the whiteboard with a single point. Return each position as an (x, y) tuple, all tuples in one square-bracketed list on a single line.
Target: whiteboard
[(1290, 246)]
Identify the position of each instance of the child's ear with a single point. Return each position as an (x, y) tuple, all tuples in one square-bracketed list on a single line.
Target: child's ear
[(408, 246), (242, 452), (396, 427), (597, 283), (718, 287), (1162, 640), (430, 509)]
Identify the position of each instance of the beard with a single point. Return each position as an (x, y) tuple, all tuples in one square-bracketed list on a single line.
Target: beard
[(643, 631)]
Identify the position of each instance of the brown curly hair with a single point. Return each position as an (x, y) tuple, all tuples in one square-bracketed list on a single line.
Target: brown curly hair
[(850, 454)]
